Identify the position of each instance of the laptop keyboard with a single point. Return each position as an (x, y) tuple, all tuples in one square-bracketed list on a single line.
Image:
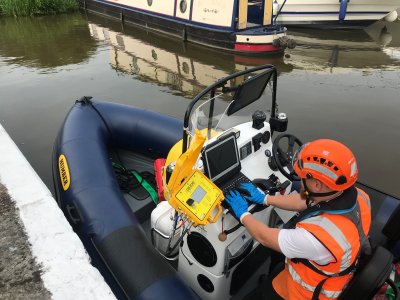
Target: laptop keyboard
[(234, 182)]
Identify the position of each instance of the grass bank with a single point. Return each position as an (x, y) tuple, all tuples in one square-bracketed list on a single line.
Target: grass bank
[(37, 7)]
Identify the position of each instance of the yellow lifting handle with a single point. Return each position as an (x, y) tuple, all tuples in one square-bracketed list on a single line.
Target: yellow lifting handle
[(213, 220)]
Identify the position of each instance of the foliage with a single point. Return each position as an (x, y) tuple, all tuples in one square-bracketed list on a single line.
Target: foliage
[(37, 7)]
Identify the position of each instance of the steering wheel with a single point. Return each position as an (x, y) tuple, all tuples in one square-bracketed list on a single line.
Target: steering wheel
[(284, 158)]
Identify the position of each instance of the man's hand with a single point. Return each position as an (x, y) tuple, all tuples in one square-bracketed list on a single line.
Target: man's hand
[(253, 193), (237, 203)]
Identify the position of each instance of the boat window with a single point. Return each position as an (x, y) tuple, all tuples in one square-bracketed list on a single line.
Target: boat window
[(149, 2), (183, 6)]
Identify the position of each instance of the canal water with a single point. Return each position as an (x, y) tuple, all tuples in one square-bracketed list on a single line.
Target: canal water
[(343, 85)]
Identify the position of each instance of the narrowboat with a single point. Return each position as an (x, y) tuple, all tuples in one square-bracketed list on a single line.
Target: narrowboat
[(221, 24)]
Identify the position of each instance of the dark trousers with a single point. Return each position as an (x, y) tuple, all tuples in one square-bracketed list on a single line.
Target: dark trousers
[(265, 291)]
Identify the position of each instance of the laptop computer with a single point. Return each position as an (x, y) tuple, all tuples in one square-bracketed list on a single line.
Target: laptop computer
[(222, 162)]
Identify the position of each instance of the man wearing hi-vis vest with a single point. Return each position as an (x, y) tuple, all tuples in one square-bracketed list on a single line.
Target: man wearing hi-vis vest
[(323, 242)]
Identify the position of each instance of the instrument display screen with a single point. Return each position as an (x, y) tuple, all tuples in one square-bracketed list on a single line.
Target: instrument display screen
[(198, 194)]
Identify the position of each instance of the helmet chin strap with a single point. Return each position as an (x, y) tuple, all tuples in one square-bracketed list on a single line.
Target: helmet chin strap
[(309, 194)]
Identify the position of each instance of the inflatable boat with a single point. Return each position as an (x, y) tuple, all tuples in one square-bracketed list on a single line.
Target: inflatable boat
[(144, 191)]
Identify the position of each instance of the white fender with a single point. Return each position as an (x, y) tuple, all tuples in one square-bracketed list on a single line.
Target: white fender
[(275, 8), (391, 17)]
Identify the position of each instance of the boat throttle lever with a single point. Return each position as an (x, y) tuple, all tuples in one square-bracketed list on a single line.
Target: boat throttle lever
[(258, 119), (272, 184)]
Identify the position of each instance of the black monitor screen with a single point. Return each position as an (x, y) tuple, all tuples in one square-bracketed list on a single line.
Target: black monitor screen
[(249, 91), (221, 158)]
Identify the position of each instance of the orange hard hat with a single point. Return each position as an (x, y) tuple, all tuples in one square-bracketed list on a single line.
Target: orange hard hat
[(329, 161)]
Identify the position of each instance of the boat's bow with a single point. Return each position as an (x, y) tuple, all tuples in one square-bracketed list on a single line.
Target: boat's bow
[(89, 195)]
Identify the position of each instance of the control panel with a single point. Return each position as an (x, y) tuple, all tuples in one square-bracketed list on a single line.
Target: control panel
[(197, 198), (245, 150), (210, 256)]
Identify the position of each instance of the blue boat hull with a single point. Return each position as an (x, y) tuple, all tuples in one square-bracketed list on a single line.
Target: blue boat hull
[(94, 204)]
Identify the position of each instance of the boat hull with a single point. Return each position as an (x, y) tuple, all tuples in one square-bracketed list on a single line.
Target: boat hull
[(254, 40), (327, 13), (89, 195)]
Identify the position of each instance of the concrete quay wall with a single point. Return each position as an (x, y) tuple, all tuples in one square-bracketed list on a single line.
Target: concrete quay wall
[(40, 255)]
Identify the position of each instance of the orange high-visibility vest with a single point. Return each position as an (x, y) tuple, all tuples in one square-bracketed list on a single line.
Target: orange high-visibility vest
[(342, 235)]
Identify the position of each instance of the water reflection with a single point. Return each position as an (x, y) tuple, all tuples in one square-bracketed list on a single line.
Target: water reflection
[(45, 42), (187, 68), (336, 51)]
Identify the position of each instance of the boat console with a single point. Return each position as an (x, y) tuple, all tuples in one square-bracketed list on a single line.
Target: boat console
[(210, 257), (215, 253)]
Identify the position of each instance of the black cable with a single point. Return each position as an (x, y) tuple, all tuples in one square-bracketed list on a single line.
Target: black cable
[(128, 182), (233, 229), (394, 287), (123, 184), (184, 255), (180, 238)]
